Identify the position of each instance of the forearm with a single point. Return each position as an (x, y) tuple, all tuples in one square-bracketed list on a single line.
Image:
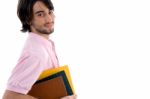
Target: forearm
[(70, 97), (13, 95)]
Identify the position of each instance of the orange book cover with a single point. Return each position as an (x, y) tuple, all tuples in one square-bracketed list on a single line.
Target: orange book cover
[(53, 84)]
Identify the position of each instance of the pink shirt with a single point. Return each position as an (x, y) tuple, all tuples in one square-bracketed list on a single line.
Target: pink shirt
[(38, 55)]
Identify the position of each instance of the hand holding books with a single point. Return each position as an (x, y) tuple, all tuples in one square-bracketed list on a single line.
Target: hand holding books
[(70, 97), (54, 84)]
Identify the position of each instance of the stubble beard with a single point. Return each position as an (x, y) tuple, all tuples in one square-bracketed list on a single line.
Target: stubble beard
[(45, 31)]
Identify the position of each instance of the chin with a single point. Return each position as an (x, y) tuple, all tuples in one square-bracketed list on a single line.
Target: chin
[(48, 32), (51, 31)]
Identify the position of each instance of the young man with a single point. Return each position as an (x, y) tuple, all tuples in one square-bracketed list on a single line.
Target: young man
[(38, 54)]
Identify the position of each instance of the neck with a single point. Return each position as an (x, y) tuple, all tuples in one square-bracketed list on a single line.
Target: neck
[(46, 36)]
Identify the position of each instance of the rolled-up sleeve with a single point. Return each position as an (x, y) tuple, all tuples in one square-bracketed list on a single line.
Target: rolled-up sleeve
[(25, 73)]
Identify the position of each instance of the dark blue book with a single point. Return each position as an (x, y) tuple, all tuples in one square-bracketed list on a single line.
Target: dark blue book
[(54, 86)]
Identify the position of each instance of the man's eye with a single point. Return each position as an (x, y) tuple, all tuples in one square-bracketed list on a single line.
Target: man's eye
[(51, 12), (40, 14)]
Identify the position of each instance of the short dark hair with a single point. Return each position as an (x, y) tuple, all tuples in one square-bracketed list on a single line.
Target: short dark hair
[(25, 10)]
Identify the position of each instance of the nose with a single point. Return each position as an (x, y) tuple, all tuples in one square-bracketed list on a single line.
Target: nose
[(50, 17)]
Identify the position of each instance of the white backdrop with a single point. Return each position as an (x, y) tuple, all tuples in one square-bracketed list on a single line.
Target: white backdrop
[(106, 43)]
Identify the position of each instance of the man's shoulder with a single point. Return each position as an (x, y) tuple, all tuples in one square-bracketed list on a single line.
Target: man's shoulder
[(33, 52), (34, 48)]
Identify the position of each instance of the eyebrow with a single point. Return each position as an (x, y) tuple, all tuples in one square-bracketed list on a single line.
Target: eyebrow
[(39, 12)]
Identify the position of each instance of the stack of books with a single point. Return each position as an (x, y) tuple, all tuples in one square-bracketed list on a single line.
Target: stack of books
[(53, 84)]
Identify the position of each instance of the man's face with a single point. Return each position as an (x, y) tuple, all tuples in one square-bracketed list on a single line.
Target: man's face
[(43, 19)]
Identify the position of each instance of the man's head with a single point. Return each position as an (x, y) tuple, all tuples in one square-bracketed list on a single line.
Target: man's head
[(36, 16)]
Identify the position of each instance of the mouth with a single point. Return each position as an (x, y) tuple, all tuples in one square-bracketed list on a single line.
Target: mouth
[(50, 24)]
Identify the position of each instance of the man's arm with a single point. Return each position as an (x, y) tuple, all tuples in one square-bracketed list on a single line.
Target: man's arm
[(22, 77), (14, 95), (70, 97)]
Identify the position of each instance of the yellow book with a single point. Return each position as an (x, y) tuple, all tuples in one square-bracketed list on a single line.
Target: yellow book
[(64, 68)]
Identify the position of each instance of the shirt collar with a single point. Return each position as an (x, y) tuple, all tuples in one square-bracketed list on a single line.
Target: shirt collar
[(41, 39)]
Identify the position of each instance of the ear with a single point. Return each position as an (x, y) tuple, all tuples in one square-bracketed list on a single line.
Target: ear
[(29, 23)]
